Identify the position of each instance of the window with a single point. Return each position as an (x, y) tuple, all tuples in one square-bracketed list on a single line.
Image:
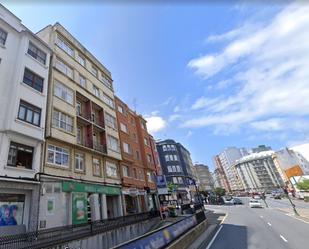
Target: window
[(175, 181), (3, 36), (120, 109), (149, 176), (174, 168), (126, 148), (81, 60), (108, 100), (143, 125), (178, 169), (111, 169), (180, 180), (112, 143), (79, 162), (167, 158), (135, 173), (29, 113), (137, 155), (79, 135), (36, 53), (64, 68), (164, 148), (123, 127), (82, 81), (96, 167), (149, 158), (12, 206), (20, 155), (169, 169), (94, 71), (79, 110), (105, 81), (96, 91), (64, 93), (58, 155), (33, 80), (125, 171), (146, 141), (141, 175), (64, 46), (110, 121), (62, 121), (175, 158)]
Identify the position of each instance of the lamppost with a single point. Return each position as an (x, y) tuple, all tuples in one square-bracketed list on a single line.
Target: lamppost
[(285, 189)]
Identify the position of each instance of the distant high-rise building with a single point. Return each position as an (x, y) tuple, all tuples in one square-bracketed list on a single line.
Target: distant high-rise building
[(260, 148), (204, 177)]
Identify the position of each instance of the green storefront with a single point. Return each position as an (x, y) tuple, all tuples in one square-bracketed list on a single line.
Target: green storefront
[(83, 192)]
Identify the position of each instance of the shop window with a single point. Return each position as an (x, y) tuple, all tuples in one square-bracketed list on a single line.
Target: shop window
[(20, 155), (11, 209)]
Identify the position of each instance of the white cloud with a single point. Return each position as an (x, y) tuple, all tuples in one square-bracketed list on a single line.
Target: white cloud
[(155, 123), (176, 108), (189, 134), (272, 77), (174, 117)]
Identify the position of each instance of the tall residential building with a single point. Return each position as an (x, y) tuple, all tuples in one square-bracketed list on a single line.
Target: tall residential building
[(224, 161), (177, 166), (205, 181), (80, 176), (220, 176), (24, 66), (287, 161), (136, 174), (257, 172)]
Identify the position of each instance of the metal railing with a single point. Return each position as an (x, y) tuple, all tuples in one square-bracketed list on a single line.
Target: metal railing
[(59, 235)]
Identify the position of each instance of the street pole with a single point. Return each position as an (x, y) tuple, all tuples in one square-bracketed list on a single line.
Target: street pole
[(293, 205)]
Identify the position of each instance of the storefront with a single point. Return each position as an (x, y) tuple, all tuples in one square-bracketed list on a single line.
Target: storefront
[(152, 200), (134, 200), (72, 202), (17, 198)]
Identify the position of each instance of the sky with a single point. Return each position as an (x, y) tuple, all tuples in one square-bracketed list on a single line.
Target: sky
[(207, 75)]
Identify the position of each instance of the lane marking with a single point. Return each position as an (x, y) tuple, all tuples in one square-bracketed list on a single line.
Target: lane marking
[(213, 239), (269, 224), (223, 218), (284, 239)]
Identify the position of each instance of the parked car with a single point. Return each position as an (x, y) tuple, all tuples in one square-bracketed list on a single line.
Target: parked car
[(228, 200), (254, 203), (237, 201), (277, 196)]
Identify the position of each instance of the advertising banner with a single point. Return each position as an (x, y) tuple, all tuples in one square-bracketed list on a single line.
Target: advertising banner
[(11, 209), (161, 181), (79, 208)]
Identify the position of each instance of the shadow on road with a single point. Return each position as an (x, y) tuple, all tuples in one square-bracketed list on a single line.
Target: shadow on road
[(231, 237)]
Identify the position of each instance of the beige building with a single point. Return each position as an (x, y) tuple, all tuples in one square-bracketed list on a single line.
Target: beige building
[(80, 179)]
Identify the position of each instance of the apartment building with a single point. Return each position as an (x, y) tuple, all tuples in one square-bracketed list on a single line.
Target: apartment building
[(257, 172), (132, 170), (220, 175), (24, 66), (204, 177), (80, 174), (177, 167)]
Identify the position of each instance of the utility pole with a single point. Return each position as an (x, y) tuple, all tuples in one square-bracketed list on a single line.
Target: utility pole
[(293, 205)]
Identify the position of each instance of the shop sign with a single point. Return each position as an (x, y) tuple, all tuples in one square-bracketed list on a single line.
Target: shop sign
[(133, 191), (70, 186), (161, 181), (162, 191), (79, 208)]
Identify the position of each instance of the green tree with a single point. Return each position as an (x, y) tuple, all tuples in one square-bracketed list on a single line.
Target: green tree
[(219, 191), (303, 184)]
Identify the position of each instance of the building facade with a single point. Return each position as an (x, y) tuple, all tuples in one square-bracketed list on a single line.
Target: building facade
[(80, 174), (205, 181), (224, 161), (258, 172), (220, 175), (139, 161), (177, 167), (24, 66)]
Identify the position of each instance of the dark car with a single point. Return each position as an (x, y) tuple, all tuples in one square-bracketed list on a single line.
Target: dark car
[(237, 201)]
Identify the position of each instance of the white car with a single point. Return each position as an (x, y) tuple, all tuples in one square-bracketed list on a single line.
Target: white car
[(254, 203)]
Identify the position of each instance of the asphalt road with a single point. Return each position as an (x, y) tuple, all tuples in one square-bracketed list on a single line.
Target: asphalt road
[(264, 228)]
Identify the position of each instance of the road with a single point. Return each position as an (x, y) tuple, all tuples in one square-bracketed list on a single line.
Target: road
[(264, 228)]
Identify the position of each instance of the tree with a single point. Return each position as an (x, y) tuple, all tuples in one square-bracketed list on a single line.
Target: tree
[(219, 191), (303, 184)]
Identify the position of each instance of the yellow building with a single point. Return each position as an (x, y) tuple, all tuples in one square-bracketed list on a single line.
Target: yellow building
[(80, 173)]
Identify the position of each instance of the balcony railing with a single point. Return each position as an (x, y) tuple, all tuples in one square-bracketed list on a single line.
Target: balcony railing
[(59, 235), (83, 115), (99, 147)]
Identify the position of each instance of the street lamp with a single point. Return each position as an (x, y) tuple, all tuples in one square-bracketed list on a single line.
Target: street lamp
[(285, 189)]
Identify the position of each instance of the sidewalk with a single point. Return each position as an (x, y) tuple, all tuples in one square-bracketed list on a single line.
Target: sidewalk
[(303, 212)]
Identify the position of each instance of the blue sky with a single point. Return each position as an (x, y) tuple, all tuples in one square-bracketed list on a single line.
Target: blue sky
[(206, 75)]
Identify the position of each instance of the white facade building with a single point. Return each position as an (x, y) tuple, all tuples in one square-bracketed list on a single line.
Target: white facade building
[(24, 68), (257, 172)]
